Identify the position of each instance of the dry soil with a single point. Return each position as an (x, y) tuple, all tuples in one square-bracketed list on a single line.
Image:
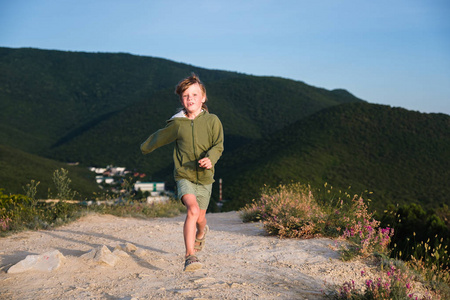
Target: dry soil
[(240, 262)]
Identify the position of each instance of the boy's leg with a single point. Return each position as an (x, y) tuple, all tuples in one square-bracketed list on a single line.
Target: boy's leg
[(194, 225), (191, 223), (201, 225), (203, 198)]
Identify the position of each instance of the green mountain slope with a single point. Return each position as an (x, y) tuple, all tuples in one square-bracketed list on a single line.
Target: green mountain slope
[(401, 156), (117, 139), (48, 95), (96, 108), (19, 168)]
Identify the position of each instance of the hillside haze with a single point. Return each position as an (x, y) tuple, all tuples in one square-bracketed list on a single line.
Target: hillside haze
[(97, 108)]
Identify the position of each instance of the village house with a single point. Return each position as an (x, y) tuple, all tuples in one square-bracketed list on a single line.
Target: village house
[(157, 191)]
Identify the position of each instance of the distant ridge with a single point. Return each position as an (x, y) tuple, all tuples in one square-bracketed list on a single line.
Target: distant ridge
[(401, 156)]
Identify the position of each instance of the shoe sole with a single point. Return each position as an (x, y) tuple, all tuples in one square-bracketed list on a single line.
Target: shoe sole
[(192, 267)]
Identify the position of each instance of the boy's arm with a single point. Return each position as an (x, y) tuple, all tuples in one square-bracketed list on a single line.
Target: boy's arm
[(216, 150), (160, 138)]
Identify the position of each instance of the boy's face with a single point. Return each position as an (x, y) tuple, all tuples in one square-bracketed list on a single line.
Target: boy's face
[(192, 100)]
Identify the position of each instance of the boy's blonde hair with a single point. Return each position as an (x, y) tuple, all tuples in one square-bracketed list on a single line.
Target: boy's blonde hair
[(186, 83)]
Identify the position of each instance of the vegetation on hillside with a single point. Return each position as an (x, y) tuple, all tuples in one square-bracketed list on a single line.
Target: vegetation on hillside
[(52, 97), (423, 236), (18, 168), (401, 156)]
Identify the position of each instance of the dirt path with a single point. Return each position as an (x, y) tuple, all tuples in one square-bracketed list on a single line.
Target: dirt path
[(241, 262)]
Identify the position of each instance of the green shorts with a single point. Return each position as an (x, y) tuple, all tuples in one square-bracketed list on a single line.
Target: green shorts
[(201, 192)]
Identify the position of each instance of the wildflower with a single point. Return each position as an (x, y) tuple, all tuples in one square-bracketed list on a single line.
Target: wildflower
[(4, 223)]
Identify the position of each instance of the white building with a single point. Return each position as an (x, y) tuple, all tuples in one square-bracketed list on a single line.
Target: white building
[(109, 180), (97, 170), (149, 186), (156, 190), (117, 171), (99, 179)]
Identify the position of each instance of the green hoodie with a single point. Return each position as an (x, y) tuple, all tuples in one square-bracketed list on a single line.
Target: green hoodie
[(194, 140)]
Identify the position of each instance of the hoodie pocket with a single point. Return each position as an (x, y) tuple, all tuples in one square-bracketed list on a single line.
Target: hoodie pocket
[(205, 175), (187, 171)]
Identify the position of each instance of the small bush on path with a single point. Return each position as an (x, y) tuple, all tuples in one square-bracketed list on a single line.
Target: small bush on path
[(292, 211)]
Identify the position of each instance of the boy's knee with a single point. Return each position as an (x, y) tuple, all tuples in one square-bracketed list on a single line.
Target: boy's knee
[(190, 201), (193, 210)]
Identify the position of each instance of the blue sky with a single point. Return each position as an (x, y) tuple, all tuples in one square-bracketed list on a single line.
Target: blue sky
[(388, 52)]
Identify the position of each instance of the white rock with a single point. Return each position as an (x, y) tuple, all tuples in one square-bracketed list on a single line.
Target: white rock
[(141, 252), (48, 261), (101, 255), (120, 253), (128, 247), (204, 279)]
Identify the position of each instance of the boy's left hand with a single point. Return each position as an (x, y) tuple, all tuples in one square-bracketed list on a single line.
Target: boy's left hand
[(205, 163)]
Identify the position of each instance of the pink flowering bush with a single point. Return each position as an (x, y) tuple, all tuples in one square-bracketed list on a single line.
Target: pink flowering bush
[(4, 223), (363, 233), (393, 284)]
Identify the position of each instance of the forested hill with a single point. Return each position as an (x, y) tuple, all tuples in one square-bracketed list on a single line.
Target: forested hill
[(96, 108), (48, 96), (401, 156)]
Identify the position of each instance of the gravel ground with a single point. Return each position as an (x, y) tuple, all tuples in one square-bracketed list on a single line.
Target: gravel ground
[(240, 262)]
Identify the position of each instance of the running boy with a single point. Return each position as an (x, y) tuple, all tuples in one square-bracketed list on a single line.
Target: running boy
[(198, 137)]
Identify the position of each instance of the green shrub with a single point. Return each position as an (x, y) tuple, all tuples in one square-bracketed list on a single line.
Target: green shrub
[(292, 211), (31, 190), (62, 183), (287, 211), (21, 212)]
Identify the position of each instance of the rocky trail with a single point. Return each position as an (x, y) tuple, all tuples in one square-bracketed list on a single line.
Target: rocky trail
[(107, 257)]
